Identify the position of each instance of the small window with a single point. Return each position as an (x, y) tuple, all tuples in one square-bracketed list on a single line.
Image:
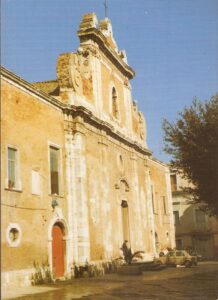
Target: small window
[(12, 168), (173, 182), (55, 170), (176, 217), (120, 162), (13, 235), (115, 111)]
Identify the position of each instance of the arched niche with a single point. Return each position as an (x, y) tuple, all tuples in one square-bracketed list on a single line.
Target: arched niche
[(122, 185)]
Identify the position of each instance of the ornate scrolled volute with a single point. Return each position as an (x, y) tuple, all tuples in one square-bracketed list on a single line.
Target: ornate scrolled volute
[(68, 72), (142, 126)]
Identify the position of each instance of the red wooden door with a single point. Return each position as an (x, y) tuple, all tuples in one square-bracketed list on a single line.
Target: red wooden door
[(57, 251)]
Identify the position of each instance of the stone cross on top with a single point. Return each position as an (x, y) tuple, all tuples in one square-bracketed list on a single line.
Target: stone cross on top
[(105, 8)]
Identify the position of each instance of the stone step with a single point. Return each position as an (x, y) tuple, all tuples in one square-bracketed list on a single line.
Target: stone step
[(129, 270), (138, 268)]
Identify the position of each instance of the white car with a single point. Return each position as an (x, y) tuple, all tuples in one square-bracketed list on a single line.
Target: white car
[(179, 257)]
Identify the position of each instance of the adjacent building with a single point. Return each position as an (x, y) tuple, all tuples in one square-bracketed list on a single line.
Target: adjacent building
[(194, 228), (77, 176)]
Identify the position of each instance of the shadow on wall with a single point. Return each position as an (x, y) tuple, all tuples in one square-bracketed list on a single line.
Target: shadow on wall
[(193, 231)]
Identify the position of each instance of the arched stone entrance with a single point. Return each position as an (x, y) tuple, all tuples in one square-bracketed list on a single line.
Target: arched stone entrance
[(58, 249), (123, 196)]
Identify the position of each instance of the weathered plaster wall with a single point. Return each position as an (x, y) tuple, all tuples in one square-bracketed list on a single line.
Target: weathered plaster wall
[(202, 237), (29, 125), (163, 217)]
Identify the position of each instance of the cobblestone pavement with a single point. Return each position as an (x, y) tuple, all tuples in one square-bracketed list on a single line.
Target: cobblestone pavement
[(196, 283)]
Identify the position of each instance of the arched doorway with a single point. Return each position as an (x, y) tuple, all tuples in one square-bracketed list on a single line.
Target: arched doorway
[(58, 250), (157, 242)]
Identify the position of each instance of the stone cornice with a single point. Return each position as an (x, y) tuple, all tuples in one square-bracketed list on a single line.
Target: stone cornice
[(158, 162), (76, 111), (29, 87), (87, 116), (95, 35)]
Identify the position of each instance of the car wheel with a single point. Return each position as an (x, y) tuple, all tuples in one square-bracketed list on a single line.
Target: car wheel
[(188, 264)]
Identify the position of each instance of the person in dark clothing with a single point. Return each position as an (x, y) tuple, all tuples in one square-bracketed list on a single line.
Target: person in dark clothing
[(127, 253)]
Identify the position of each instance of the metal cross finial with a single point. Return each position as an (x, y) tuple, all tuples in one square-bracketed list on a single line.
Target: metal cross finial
[(105, 7)]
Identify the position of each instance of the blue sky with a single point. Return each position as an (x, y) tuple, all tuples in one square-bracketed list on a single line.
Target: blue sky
[(171, 44)]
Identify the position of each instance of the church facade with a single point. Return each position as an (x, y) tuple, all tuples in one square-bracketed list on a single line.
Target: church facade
[(77, 176)]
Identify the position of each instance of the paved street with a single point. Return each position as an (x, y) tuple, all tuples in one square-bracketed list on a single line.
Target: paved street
[(199, 282)]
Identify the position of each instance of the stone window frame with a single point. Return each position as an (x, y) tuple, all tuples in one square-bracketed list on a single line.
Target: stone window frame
[(60, 168), (18, 185), (15, 243), (111, 87)]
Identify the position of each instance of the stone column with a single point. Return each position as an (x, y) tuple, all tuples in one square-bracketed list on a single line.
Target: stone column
[(104, 190), (71, 199), (150, 213), (136, 208)]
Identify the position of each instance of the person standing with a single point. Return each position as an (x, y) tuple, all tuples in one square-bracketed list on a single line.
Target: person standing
[(127, 253)]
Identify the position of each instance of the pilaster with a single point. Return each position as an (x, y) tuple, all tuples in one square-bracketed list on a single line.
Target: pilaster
[(170, 208), (71, 198), (150, 213), (79, 165)]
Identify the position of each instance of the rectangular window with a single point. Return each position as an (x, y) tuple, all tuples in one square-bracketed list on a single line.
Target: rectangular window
[(176, 217), (12, 168), (173, 182), (164, 205), (55, 170)]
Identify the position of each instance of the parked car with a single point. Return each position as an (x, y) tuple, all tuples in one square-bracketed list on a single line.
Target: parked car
[(194, 253), (179, 257)]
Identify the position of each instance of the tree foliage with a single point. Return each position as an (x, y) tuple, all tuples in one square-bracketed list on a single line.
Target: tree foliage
[(192, 142)]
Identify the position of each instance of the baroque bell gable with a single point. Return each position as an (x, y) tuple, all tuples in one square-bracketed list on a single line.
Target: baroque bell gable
[(98, 71)]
